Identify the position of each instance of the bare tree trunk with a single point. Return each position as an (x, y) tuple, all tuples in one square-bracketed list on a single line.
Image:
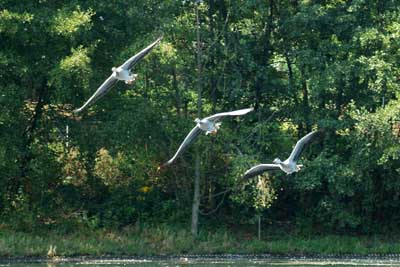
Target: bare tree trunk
[(177, 94), (263, 58), (196, 197), (212, 65), (306, 127), (28, 138), (291, 77), (213, 89), (307, 108)]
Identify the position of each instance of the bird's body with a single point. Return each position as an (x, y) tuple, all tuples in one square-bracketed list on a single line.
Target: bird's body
[(209, 125), (121, 73), (289, 165)]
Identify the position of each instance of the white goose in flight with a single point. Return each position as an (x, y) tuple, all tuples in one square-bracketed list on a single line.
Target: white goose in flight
[(290, 164), (121, 73), (209, 125)]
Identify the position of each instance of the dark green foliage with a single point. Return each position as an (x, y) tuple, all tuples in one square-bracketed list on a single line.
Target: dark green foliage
[(303, 65)]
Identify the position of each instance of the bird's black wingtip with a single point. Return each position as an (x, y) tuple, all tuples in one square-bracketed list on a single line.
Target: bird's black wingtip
[(77, 110), (159, 39), (247, 175), (321, 132), (164, 165)]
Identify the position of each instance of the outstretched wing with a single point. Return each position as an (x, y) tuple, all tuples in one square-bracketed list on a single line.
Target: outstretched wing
[(301, 144), (188, 140), (239, 112), (135, 59), (258, 169), (102, 90)]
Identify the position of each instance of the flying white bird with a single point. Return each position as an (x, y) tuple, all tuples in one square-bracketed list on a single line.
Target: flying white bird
[(290, 164), (121, 73), (209, 125)]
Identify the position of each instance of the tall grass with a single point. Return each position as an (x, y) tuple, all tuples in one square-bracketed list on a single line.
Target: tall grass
[(150, 240)]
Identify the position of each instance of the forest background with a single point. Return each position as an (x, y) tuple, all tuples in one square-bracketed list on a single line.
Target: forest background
[(302, 65)]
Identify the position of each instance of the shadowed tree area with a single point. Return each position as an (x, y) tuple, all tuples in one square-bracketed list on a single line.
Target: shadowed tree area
[(303, 65)]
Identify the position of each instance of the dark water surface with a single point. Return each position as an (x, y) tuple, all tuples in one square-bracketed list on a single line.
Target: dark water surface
[(187, 262)]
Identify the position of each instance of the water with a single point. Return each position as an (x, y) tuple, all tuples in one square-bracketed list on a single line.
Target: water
[(199, 262)]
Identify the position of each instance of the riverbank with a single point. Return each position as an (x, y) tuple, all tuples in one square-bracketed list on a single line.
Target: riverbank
[(165, 241)]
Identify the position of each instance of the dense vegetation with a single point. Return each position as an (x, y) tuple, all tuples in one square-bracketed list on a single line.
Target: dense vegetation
[(171, 241), (303, 65)]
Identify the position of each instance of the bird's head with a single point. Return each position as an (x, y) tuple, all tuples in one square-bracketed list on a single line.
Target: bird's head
[(277, 161), (197, 120), (113, 69)]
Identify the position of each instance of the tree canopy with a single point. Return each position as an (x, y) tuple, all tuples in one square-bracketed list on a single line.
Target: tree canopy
[(302, 64)]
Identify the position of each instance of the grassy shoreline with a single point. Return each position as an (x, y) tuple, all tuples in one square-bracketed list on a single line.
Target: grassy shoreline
[(164, 241)]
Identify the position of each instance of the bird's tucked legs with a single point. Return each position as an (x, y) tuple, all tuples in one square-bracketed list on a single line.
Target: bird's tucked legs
[(298, 167), (132, 80), (216, 128), (213, 132)]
